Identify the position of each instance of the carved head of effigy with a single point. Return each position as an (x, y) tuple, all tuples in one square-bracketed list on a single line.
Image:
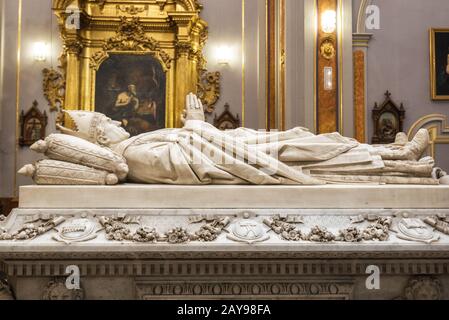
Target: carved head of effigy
[(95, 127)]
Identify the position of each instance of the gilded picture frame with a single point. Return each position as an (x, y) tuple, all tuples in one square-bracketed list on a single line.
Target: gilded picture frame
[(171, 32), (439, 64)]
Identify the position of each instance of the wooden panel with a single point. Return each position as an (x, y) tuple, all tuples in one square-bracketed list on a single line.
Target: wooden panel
[(359, 96), (327, 100)]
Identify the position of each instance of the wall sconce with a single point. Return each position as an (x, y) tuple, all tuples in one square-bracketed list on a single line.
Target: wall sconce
[(224, 55), (329, 21), (41, 51), (328, 78)]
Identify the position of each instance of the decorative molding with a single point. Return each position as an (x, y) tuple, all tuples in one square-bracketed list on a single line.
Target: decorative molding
[(361, 40), (197, 264), (340, 290)]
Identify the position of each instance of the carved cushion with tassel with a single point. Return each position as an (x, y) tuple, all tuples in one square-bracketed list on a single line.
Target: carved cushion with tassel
[(78, 151), (53, 172)]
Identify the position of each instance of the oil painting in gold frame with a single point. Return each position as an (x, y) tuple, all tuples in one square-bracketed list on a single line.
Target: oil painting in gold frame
[(439, 64)]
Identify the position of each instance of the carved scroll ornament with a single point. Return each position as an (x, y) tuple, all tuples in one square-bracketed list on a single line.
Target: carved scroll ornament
[(209, 90), (130, 36), (54, 88)]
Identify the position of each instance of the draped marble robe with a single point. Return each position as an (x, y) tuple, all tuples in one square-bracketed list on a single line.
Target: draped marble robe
[(201, 154)]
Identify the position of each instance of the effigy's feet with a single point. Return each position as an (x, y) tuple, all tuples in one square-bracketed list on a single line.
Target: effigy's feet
[(401, 139), (419, 144)]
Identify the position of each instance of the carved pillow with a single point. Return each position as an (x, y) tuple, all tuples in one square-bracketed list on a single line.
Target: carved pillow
[(78, 151), (53, 172)]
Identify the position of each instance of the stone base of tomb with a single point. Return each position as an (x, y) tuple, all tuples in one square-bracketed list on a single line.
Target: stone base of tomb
[(227, 242)]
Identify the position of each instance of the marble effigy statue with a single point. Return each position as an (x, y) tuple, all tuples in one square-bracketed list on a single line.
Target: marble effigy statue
[(99, 151)]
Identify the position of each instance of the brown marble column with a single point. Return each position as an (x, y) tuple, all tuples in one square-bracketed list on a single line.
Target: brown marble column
[(327, 56)]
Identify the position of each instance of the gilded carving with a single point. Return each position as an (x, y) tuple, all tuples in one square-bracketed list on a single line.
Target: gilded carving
[(130, 36), (131, 9), (153, 27), (209, 90), (327, 49), (73, 46), (54, 88)]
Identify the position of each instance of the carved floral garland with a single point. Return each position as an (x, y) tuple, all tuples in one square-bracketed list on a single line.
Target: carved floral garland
[(117, 228)]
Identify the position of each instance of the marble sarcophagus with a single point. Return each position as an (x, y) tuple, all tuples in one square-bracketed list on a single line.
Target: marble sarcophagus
[(227, 242)]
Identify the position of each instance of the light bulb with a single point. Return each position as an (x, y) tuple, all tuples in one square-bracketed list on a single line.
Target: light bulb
[(40, 51), (224, 54), (329, 21)]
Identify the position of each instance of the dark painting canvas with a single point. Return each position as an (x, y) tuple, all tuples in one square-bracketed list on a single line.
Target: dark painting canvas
[(131, 89), (440, 64)]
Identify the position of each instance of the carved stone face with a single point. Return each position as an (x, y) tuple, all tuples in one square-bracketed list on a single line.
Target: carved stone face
[(112, 132)]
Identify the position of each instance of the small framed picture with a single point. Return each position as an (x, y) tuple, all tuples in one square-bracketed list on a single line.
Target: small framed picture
[(439, 64)]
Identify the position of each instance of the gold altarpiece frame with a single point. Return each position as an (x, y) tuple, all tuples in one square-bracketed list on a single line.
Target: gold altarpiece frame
[(170, 31)]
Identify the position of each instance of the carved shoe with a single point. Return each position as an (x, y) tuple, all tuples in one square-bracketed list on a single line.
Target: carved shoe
[(419, 144)]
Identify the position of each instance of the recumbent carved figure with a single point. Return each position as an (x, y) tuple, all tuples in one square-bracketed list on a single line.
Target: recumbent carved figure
[(98, 151)]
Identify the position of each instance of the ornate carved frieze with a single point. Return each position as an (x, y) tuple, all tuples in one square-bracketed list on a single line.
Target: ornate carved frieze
[(118, 229), (130, 36), (243, 227), (32, 228)]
